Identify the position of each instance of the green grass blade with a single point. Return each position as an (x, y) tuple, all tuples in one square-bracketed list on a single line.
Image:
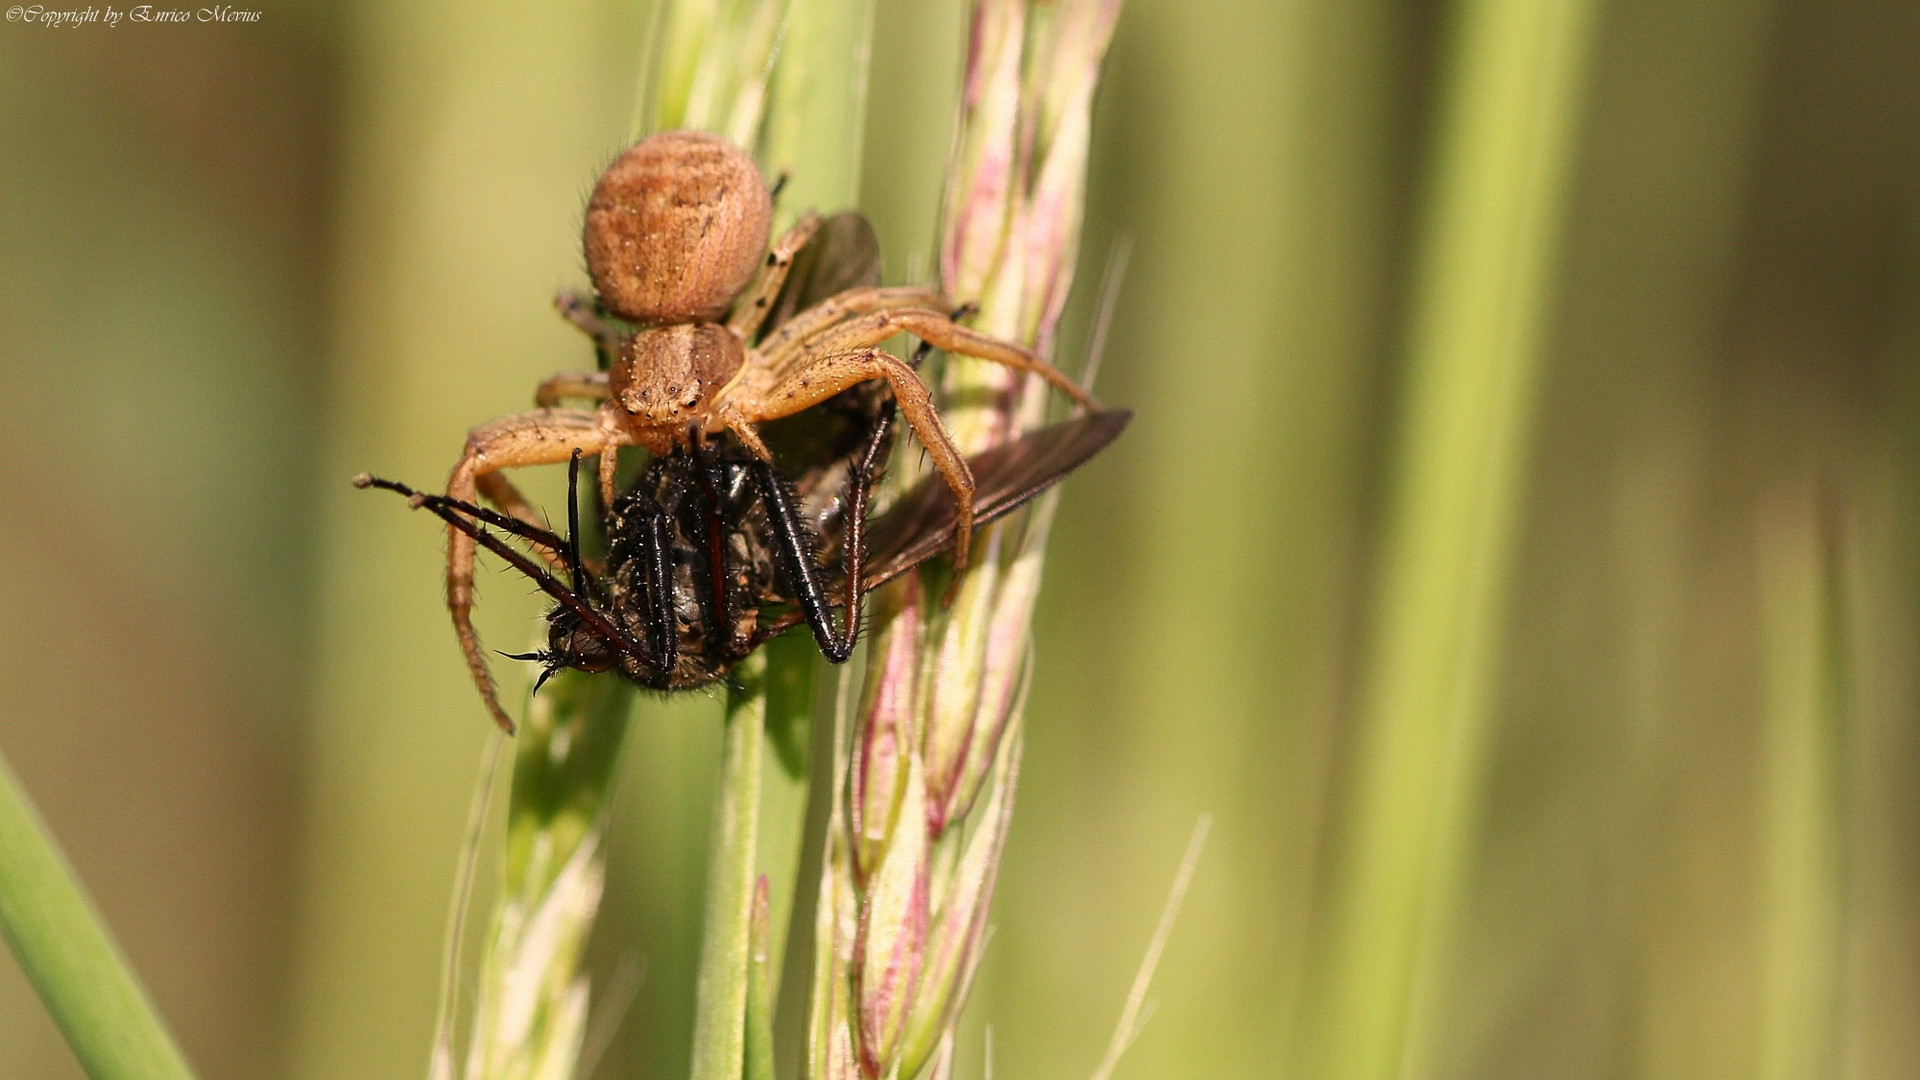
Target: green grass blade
[(70, 957), (719, 1027), (793, 680), (759, 1032), (817, 104), (1511, 94)]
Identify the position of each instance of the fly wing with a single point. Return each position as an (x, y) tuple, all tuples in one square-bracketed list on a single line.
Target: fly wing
[(919, 525), (816, 443)]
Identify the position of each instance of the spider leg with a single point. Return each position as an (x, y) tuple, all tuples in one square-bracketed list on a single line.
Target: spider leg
[(541, 437), (842, 306), (571, 599), (609, 475), (935, 329), (751, 311), (815, 378), (581, 310), (579, 385)]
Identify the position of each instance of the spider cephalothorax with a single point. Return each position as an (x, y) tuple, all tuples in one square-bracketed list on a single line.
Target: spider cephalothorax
[(675, 230)]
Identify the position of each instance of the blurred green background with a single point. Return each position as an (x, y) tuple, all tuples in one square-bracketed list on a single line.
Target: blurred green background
[(1676, 831)]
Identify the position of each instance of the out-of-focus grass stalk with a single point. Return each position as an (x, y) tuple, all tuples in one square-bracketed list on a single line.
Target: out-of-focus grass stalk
[(930, 769), (1803, 794), (69, 956), (1483, 291)]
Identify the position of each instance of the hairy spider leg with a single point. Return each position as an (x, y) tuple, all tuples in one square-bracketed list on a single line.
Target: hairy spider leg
[(934, 328), (584, 312), (751, 310), (844, 305), (796, 373), (540, 437), (821, 377), (578, 385)]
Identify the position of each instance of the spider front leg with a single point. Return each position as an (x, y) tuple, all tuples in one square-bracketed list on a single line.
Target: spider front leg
[(578, 385), (934, 328), (840, 307), (541, 437), (812, 379), (751, 310)]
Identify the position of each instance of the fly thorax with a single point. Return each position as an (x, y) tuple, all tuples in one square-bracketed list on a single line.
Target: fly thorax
[(665, 376)]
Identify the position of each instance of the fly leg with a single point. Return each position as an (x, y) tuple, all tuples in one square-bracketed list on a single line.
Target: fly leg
[(796, 543)]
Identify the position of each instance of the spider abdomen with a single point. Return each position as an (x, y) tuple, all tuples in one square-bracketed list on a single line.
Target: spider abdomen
[(676, 228)]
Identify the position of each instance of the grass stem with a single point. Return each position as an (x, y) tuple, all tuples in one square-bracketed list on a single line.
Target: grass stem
[(719, 1032), (69, 956), (1511, 97)]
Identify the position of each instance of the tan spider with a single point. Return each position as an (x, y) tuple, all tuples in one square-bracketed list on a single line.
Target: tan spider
[(675, 230)]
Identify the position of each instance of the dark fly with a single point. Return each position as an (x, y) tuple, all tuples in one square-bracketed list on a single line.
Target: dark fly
[(712, 553)]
